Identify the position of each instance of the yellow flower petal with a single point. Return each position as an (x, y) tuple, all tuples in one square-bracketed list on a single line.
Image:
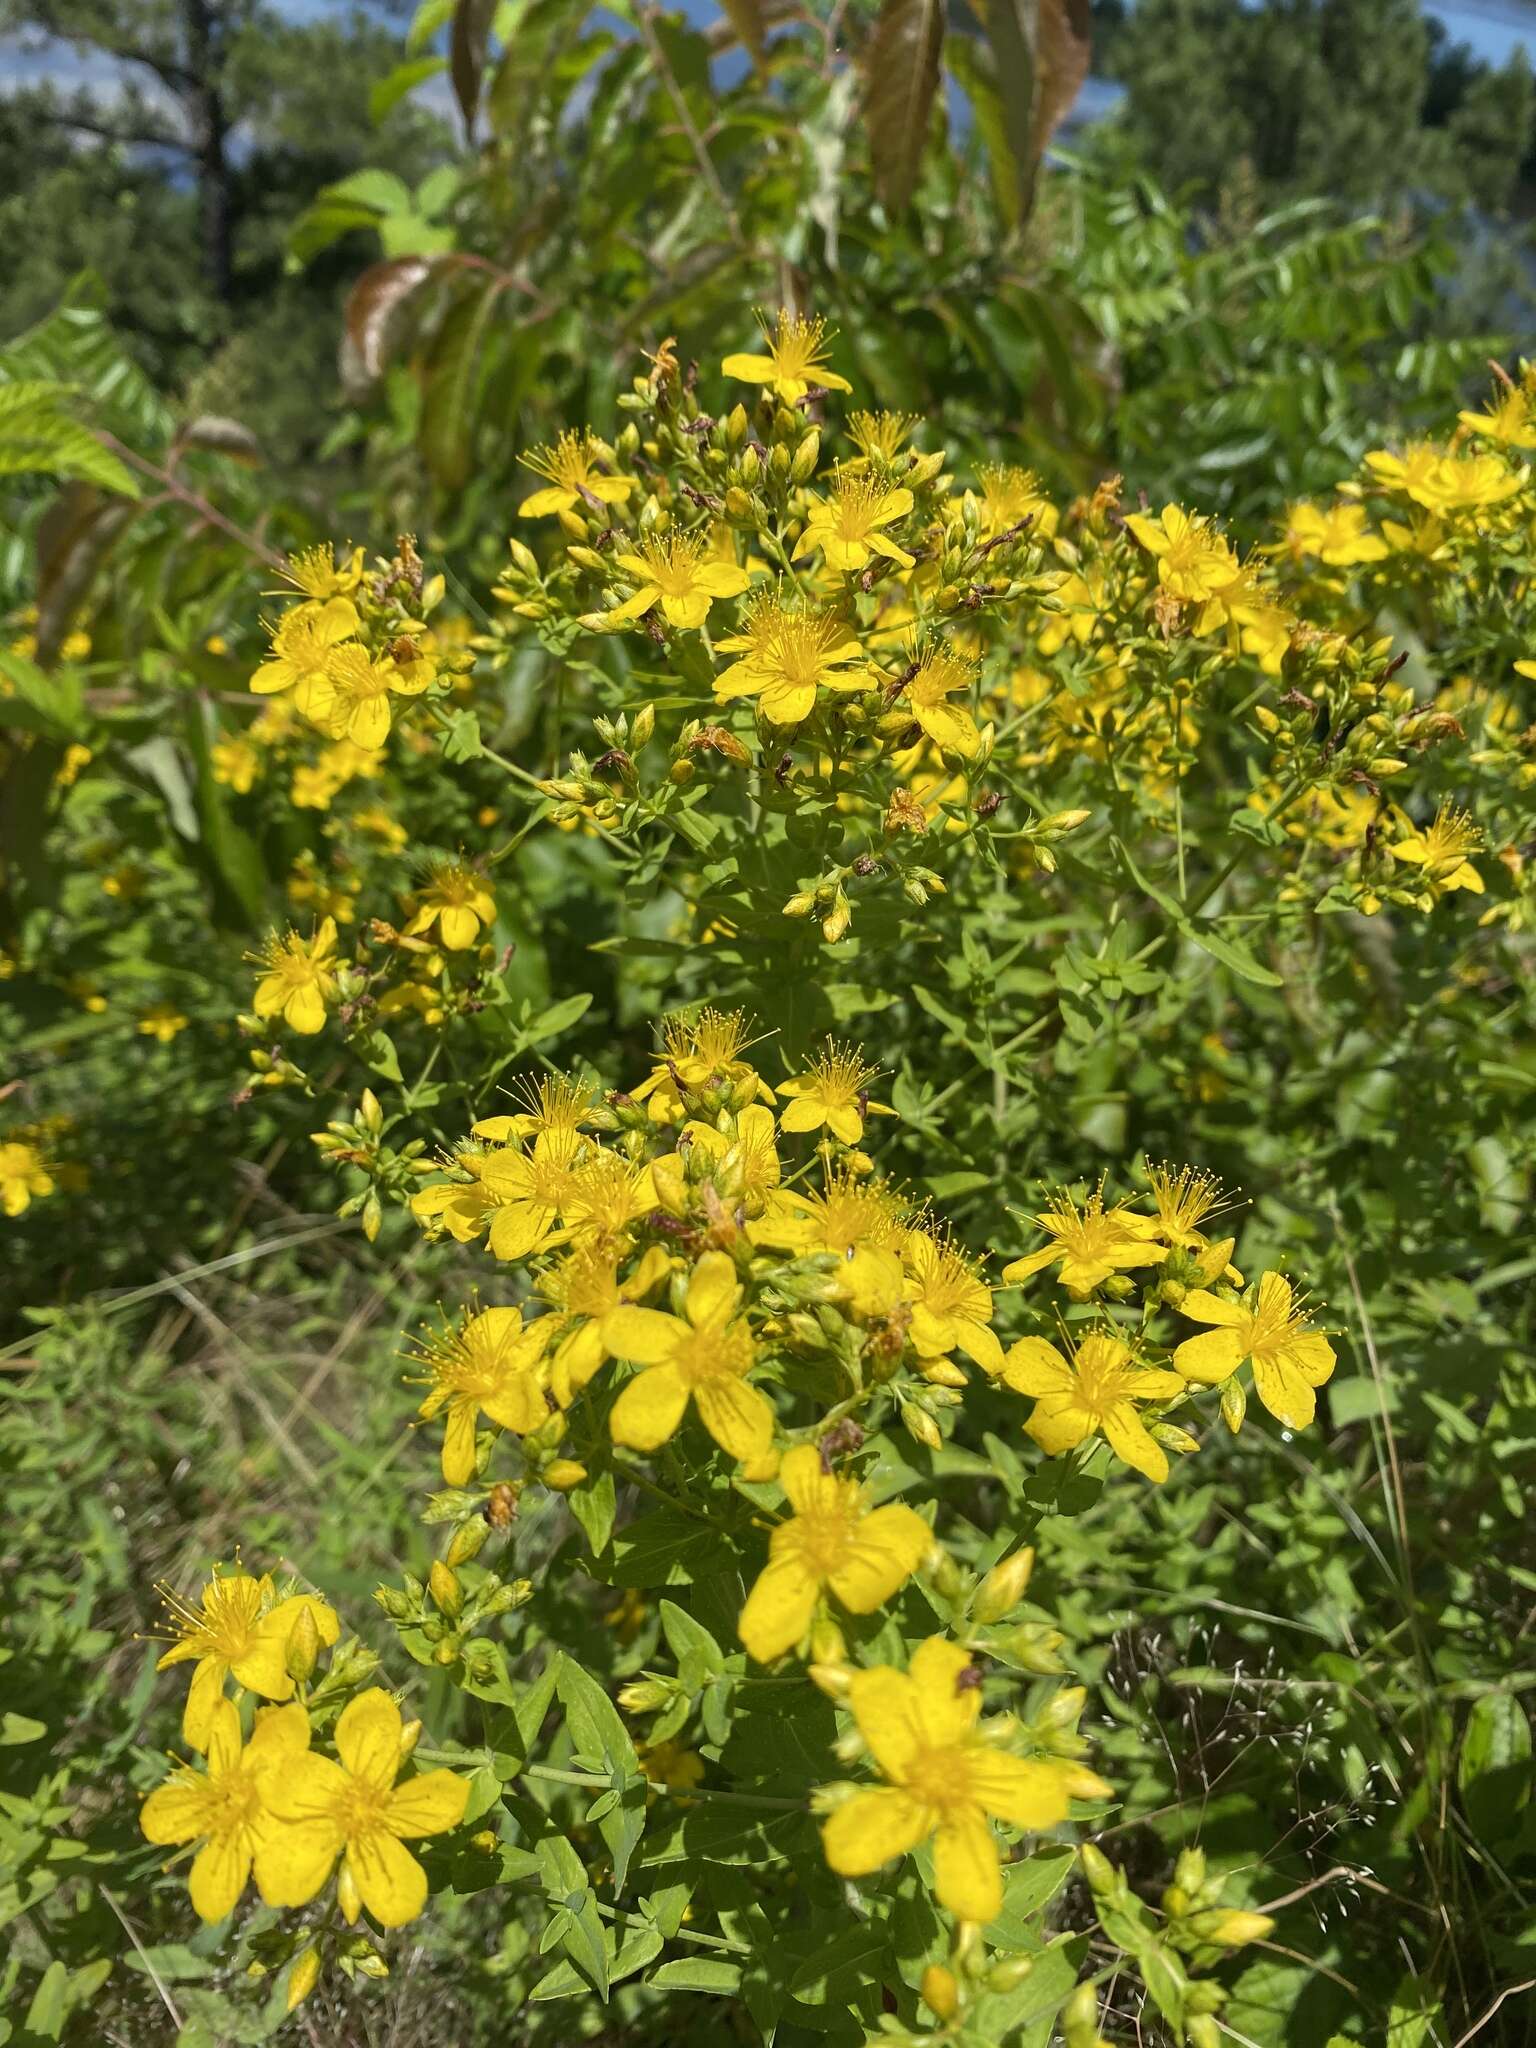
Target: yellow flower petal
[(650, 1408), (218, 1874), (392, 1883), (778, 1610), (967, 1876), (872, 1828), (737, 1416), (428, 1805), (368, 1737)]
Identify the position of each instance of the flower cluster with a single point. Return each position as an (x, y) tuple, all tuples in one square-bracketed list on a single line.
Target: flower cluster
[(262, 1800)]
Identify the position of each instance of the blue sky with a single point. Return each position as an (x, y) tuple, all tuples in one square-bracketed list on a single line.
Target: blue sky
[(1494, 28)]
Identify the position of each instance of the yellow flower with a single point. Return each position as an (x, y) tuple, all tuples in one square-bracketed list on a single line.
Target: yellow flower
[(1337, 534), (241, 1629), (951, 1303), (702, 1356), (1194, 562), (697, 1053), (832, 1542), (317, 573), (1010, 495), (235, 763), (1184, 1196), (795, 360), (491, 1365), (76, 757), (785, 653), (676, 571), (1444, 482), (846, 526), (527, 1191), (833, 1096), (162, 1021), (349, 697), (457, 900), (880, 436), (585, 1288), (355, 1810), (1511, 414), (303, 643), (945, 1778), (300, 978), (745, 1165), (670, 1764), (939, 675), (1090, 1243), (23, 1174), (1290, 1358), (1441, 847), (224, 1808), (462, 1208), (1095, 1395), (573, 472), (859, 1222)]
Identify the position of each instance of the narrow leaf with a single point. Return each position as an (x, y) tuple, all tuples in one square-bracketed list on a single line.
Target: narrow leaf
[(902, 76)]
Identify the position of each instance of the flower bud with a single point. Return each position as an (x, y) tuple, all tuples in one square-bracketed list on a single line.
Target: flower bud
[(303, 1977), (1009, 1974), (447, 1593), (940, 1992), (369, 1114), (1080, 2018), (1003, 1587), (467, 1541), (643, 727), (302, 1651), (1104, 1881), (801, 905), (1234, 1405), (1201, 2031), (524, 557), (827, 1644), (832, 1679), (807, 455), (573, 523), (410, 1735), (1230, 1929), (563, 1474)]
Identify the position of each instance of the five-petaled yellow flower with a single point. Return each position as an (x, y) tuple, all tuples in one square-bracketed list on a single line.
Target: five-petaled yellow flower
[(702, 1356), (355, 1810), (303, 644), (833, 1096), (940, 675), (300, 978), (795, 360), (785, 653), (945, 1779), (676, 571), (572, 467), (1095, 1395), (1290, 1358), (241, 1629), (457, 899), (951, 1303), (847, 525), (1440, 850), (349, 698), (832, 1542), (1091, 1243), (224, 1808), (490, 1365), (1194, 561)]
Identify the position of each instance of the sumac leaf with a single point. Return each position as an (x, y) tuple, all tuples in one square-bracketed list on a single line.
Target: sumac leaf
[(901, 78), (372, 305)]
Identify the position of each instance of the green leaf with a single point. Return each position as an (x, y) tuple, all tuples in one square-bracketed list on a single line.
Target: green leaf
[(450, 376), (838, 1969), (554, 1022), (593, 1503), (461, 738), (697, 1973), (901, 79), (386, 93), (1493, 1772), (699, 1656), (19, 1728), (1231, 953), (45, 2015)]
